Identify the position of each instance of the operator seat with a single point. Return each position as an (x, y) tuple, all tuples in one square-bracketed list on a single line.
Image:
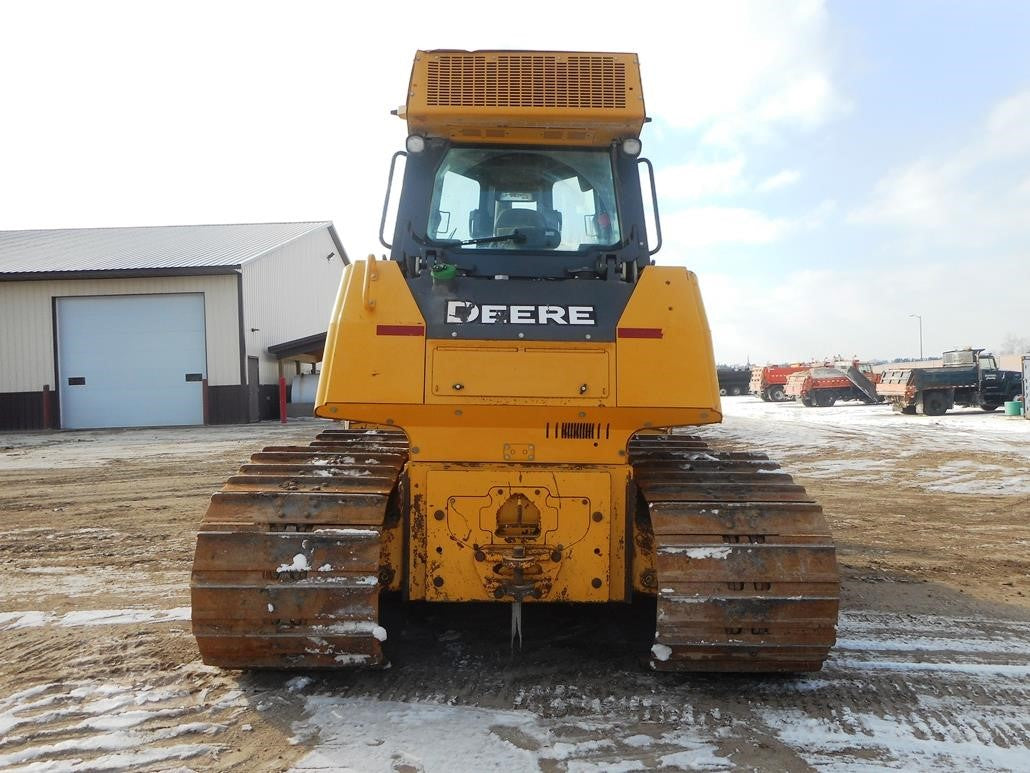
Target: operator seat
[(530, 224)]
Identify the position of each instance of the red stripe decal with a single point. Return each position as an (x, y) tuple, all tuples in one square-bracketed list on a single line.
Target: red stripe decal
[(640, 332), (400, 330)]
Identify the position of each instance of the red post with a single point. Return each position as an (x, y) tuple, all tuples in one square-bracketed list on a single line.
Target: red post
[(282, 399), (46, 406)]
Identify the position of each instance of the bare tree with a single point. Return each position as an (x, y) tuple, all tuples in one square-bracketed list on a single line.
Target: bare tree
[(1014, 344)]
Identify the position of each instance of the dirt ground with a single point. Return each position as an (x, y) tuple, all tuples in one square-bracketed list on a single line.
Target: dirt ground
[(98, 670)]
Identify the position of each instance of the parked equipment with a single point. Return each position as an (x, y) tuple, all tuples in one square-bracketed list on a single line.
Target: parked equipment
[(968, 377), (822, 386), (733, 380), (769, 381), (514, 354)]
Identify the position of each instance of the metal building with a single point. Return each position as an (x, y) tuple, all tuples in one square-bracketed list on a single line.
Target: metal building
[(164, 325)]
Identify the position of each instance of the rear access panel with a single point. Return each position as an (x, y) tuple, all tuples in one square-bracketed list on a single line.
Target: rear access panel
[(514, 371), (507, 533)]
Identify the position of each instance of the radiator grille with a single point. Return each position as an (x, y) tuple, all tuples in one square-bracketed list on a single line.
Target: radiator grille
[(525, 80)]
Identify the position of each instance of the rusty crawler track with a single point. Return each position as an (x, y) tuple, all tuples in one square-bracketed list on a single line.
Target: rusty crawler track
[(746, 569), (287, 567)]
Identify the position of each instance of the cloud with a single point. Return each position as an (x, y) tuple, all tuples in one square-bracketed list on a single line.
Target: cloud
[(779, 180), (716, 179), (255, 111), (815, 313), (695, 180), (745, 71), (965, 195), (709, 226)]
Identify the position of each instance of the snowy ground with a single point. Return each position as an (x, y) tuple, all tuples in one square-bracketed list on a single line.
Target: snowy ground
[(873, 443), (98, 670)]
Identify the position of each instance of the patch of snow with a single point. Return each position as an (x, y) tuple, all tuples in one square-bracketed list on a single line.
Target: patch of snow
[(638, 741), (300, 564), (27, 619), (846, 740), (661, 651), (123, 616), (298, 683), (719, 552), (1006, 670), (325, 568), (351, 659), (379, 633), (36, 619)]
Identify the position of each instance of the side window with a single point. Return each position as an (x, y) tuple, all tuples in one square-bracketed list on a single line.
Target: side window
[(458, 199)]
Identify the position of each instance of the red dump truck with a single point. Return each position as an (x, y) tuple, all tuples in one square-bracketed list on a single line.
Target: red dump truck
[(769, 381), (824, 385)]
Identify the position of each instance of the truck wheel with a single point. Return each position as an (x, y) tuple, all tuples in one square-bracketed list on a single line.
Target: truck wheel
[(934, 404), (776, 394), (806, 401), (722, 392), (909, 410), (988, 407), (735, 391), (764, 394), (823, 400)]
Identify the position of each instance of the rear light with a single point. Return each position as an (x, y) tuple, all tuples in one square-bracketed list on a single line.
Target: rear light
[(640, 332), (400, 330)]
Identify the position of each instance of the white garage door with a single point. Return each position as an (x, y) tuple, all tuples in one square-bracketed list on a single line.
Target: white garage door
[(131, 360)]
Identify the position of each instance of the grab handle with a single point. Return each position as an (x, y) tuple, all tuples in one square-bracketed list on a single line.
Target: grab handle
[(370, 276)]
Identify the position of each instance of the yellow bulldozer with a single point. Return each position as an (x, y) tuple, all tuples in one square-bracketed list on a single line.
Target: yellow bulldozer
[(511, 374)]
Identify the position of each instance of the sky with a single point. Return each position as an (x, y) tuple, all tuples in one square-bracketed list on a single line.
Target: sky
[(827, 169)]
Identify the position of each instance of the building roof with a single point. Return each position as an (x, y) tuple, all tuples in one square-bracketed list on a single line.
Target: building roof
[(175, 249), (312, 346)]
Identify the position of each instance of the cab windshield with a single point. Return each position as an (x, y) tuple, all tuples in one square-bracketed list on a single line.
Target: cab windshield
[(524, 199)]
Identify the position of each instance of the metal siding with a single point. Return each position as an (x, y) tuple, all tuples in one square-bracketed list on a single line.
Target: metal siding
[(153, 247), (27, 334), (289, 294)]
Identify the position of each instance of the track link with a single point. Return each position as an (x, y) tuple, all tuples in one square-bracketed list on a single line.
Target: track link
[(287, 567), (747, 574)]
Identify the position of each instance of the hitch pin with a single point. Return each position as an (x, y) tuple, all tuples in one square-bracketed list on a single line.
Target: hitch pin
[(516, 624)]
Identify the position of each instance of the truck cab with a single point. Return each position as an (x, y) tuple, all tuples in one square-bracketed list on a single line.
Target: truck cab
[(994, 386)]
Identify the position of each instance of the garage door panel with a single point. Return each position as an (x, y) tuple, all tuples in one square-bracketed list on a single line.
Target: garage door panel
[(134, 353)]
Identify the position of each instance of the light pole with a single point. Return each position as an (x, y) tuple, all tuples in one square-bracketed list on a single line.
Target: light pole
[(920, 318)]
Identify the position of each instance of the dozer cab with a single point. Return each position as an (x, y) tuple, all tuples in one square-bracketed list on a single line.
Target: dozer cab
[(513, 367)]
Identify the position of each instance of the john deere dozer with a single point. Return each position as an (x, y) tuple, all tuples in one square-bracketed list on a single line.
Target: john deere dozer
[(514, 367)]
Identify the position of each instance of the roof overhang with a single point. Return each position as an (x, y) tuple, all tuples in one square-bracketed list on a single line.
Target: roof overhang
[(307, 349), (120, 273)]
